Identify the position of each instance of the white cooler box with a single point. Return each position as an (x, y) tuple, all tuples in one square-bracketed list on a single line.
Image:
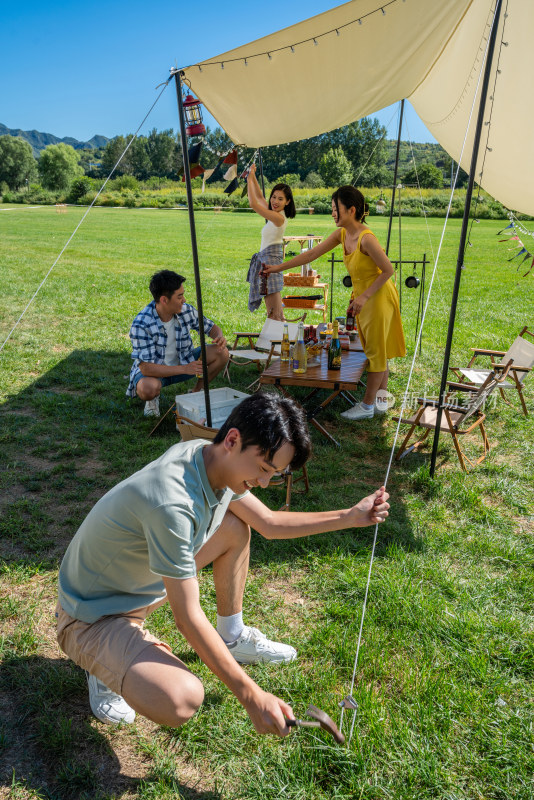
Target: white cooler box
[(222, 402)]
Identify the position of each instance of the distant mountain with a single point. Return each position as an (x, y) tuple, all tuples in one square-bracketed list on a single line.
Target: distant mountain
[(40, 140)]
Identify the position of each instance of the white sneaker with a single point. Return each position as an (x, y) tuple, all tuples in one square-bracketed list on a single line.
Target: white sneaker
[(253, 647), (359, 412), (106, 705), (152, 408)]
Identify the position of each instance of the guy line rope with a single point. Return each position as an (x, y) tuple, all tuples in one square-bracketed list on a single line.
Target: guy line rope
[(349, 702)]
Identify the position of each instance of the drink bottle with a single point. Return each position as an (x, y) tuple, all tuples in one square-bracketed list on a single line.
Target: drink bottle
[(349, 324), (263, 280), (284, 349), (334, 352), (300, 355)]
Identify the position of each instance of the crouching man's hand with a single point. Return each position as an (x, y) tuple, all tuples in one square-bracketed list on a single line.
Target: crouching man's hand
[(371, 509), (268, 713)]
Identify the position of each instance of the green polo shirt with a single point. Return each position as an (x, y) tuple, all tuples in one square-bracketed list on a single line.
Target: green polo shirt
[(150, 525)]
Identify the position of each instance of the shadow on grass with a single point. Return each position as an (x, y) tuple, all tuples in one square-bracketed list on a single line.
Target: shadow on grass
[(72, 435), (52, 744)]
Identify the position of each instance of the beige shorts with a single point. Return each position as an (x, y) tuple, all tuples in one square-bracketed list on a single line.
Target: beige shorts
[(108, 647)]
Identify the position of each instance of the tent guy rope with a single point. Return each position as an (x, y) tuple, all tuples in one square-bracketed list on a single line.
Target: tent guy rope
[(71, 237)]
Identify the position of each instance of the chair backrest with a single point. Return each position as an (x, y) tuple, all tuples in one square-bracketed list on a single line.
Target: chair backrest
[(273, 330), (479, 397), (522, 354)]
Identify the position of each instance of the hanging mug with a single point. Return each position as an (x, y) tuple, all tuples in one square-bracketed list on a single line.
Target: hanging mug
[(347, 281), (412, 282)]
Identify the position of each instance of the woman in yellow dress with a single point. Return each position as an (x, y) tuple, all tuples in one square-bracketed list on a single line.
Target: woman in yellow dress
[(375, 301)]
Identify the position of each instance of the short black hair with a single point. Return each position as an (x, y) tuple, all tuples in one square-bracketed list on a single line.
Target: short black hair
[(268, 421), (165, 282)]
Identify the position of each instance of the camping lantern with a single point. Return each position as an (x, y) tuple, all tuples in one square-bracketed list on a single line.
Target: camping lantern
[(380, 205), (193, 116)]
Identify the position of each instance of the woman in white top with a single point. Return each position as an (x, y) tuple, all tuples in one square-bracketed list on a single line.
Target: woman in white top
[(276, 212)]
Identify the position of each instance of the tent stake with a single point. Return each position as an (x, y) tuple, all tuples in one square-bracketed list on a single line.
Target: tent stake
[(183, 138), (463, 234)]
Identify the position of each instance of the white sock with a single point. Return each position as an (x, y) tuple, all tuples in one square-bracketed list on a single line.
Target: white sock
[(367, 408), (230, 628)]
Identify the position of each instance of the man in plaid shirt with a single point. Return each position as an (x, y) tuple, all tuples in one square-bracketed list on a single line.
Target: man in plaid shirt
[(162, 348)]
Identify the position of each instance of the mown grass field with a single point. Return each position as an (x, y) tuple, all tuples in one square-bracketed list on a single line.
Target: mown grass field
[(444, 681)]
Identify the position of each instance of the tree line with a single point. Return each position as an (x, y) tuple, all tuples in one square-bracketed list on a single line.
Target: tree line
[(356, 153)]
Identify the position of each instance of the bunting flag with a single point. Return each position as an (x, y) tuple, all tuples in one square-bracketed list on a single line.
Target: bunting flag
[(216, 172), (232, 186), (513, 227), (231, 172)]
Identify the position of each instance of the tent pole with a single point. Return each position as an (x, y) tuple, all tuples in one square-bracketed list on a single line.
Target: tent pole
[(395, 177), (260, 159), (463, 234), (187, 175)]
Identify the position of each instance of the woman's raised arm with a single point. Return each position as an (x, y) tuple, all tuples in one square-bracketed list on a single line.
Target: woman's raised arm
[(307, 255)]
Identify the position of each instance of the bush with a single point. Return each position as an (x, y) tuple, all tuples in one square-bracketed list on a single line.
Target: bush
[(313, 180), (79, 188), (125, 182)]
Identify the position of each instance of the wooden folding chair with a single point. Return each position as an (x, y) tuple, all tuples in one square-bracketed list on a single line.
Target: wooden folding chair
[(189, 429), (456, 420), (522, 354)]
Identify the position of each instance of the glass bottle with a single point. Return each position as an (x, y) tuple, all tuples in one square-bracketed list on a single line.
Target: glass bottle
[(284, 348), (300, 354), (263, 280), (334, 351), (349, 323)]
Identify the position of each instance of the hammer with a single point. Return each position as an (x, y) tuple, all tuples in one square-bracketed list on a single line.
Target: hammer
[(320, 720)]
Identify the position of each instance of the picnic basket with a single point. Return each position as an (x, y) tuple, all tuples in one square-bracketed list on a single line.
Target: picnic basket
[(294, 279), (296, 301)]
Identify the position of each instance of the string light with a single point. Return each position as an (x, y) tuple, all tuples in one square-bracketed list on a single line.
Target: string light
[(313, 39)]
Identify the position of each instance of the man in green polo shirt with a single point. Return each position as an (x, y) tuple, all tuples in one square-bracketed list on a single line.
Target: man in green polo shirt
[(141, 546)]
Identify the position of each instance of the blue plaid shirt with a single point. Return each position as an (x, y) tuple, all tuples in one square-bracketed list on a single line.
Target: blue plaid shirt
[(149, 338)]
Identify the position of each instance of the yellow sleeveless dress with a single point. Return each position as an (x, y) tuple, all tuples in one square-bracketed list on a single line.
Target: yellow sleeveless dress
[(379, 322)]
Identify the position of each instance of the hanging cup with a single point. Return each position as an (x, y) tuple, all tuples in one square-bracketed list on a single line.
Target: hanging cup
[(412, 282)]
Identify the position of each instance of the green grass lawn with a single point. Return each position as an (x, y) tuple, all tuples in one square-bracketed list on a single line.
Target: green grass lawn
[(444, 681)]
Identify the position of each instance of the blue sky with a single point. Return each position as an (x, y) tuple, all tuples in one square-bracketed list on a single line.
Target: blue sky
[(80, 69)]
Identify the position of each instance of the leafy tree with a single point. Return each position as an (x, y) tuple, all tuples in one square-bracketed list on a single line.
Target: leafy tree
[(313, 180), (427, 176), (17, 164), (58, 166), (139, 159), (334, 168), (113, 151), (162, 150)]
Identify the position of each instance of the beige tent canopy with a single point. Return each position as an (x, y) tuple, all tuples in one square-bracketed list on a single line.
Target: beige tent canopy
[(357, 58)]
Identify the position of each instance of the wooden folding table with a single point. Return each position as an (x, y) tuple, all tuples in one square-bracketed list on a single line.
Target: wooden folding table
[(319, 379)]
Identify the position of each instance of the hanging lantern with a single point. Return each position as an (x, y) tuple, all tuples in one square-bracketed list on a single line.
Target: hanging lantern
[(380, 205), (193, 117)]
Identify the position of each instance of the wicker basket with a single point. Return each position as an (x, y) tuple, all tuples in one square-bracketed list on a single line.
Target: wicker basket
[(298, 302), (294, 279)]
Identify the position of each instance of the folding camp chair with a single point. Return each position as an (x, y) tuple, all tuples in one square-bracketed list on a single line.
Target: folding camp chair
[(189, 429), (262, 350), (457, 420), (522, 354)]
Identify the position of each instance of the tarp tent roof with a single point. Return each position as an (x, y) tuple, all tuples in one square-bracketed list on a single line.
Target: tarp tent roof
[(352, 61)]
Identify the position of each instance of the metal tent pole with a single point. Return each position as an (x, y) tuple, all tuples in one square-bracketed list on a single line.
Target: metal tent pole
[(260, 159), (185, 156), (395, 177), (463, 234)]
